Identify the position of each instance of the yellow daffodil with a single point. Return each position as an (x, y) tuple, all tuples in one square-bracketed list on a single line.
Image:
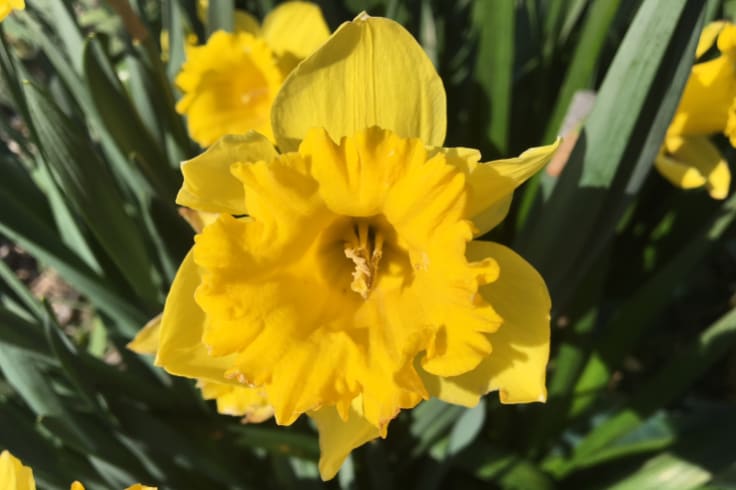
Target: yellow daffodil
[(7, 6), (708, 106), (15, 476), (341, 277), (230, 83)]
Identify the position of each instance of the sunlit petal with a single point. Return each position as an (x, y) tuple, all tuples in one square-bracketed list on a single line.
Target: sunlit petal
[(708, 95), (295, 29), (692, 162), (13, 475), (371, 72), (241, 401), (181, 351), (208, 183), (147, 339), (517, 365), (708, 37), (492, 184), (337, 437)]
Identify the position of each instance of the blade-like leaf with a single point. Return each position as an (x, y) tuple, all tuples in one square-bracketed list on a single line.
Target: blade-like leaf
[(91, 188), (494, 64), (220, 16), (671, 381), (123, 122), (614, 150)]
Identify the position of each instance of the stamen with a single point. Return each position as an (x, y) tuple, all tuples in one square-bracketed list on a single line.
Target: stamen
[(365, 249), (253, 95)]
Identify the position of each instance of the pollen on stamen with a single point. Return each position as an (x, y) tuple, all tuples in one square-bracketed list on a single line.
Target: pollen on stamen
[(237, 375), (365, 249)]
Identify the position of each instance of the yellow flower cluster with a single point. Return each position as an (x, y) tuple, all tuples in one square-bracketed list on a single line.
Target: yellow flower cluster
[(708, 106), (15, 476), (338, 273)]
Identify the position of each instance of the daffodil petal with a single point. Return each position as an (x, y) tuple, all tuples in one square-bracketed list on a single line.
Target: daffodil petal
[(77, 485), (241, 401), (337, 437), (296, 28), (730, 129), (208, 184), (13, 475), (727, 39), (181, 351), (146, 341), (197, 219), (517, 364), (694, 161), (492, 184), (708, 37), (7, 6), (679, 174), (708, 95), (137, 486), (719, 180), (370, 72)]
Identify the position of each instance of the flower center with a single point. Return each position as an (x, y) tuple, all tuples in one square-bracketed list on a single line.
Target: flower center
[(365, 249), (253, 96)]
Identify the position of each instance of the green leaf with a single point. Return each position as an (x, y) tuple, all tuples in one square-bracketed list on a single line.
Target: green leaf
[(503, 468), (572, 354), (574, 11), (86, 434), (68, 356), (59, 15), (25, 376), (621, 334), (494, 64), (73, 232), (701, 454), (428, 31), (285, 442), (22, 335), (220, 16), (615, 150), (585, 59), (467, 428), (38, 238), (20, 434), (431, 421), (91, 188), (173, 27), (123, 122), (670, 382), (665, 471)]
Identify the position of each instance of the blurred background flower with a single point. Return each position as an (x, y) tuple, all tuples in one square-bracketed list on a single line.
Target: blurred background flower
[(229, 83), (708, 105)]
